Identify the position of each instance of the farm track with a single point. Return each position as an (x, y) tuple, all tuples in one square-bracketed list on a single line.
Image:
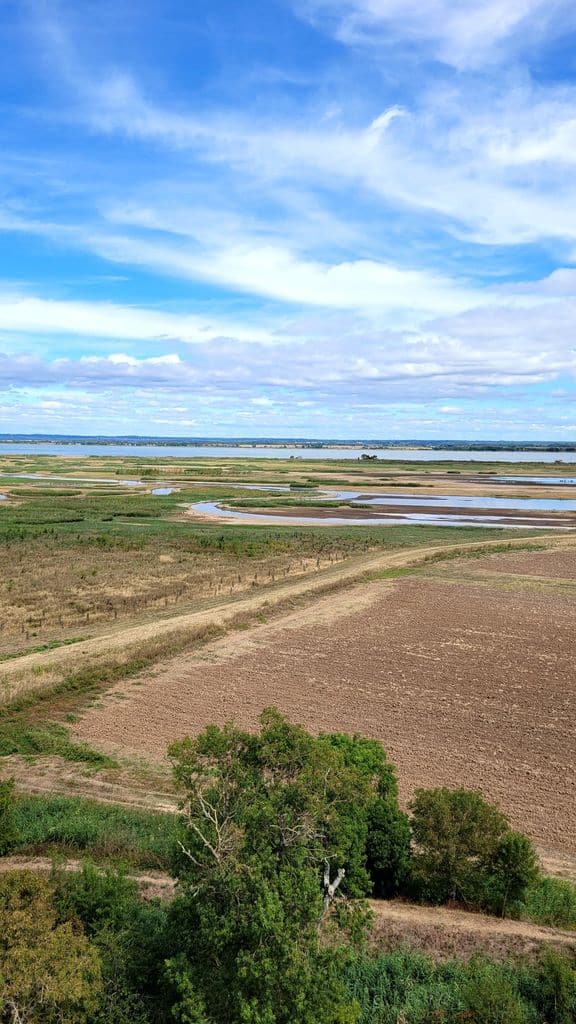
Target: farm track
[(126, 787), (36, 665), (441, 931), (462, 685)]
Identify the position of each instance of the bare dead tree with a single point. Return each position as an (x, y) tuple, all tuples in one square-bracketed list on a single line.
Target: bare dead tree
[(330, 888)]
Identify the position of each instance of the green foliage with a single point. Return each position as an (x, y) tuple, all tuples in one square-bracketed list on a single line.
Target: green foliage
[(20, 737), (189, 1007), (466, 851), (552, 988), (139, 837), (407, 987), (550, 901), (510, 870), (264, 817), (49, 972), (491, 995), (9, 834), (388, 850), (404, 986), (131, 938)]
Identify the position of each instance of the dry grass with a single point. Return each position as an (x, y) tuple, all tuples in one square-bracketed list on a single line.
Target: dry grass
[(127, 648), (51, 591)]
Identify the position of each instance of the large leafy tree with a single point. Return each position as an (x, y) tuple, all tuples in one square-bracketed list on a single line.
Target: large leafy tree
[(274, 832)]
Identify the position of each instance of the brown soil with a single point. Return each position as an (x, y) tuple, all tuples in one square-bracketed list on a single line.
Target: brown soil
[(557, 564), (465, 686)]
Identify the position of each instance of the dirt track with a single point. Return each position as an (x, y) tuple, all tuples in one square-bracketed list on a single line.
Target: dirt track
[(37, 670), (465, 685), (442, 931)]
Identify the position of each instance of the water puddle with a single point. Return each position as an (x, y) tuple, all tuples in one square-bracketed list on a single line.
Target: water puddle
[(459, 501), (551, 481), (212, 508)]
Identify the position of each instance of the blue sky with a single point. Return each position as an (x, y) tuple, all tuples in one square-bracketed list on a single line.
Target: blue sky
[(325, 218)]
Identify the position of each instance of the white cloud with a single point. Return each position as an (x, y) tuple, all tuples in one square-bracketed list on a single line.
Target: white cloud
[(276, 272), (108, 320), (464, 33), (460, 154)]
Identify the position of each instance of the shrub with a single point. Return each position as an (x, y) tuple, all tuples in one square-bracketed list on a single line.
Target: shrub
[(9, 835), (551, 901), (50, 973), (464, 847), (553, 988), (491, 996)]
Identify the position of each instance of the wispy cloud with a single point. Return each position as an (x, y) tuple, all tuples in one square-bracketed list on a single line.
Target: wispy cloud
[(464, 33), (390, 220)]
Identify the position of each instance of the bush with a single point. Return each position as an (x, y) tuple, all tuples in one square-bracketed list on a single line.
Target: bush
[(553, 988), (491, 996), (131, 937), (551, 901), (466, 851), (9, 835), (50, 972), (510, 870)]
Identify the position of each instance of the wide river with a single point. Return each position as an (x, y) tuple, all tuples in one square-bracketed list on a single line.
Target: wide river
[(206, 452)]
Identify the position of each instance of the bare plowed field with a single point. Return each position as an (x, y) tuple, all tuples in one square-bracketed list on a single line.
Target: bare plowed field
[(466, 685)]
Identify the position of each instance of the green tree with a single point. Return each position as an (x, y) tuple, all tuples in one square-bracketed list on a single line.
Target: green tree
[(509, 870), (8, 828), (270, 825), (388, 849), (49, 972), (456, 833)]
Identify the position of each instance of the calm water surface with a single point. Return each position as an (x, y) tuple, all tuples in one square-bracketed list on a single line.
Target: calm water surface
[(211, 508), (199, 451)]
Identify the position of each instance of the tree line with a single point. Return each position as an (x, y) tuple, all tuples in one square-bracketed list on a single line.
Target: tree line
[(282, 835)]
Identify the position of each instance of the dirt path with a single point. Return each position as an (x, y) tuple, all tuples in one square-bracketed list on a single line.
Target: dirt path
[(33, 671), (150, 883), (124, 787), (140, 787), (445, 932), (441, 931)]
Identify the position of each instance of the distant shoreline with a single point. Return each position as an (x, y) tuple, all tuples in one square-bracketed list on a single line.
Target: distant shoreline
[(296, 444)]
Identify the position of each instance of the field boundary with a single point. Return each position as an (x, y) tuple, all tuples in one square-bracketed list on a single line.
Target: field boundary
[(46, 670)]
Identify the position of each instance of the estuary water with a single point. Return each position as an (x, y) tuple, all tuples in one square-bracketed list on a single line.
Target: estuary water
[(147, 451), (211, 508)]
